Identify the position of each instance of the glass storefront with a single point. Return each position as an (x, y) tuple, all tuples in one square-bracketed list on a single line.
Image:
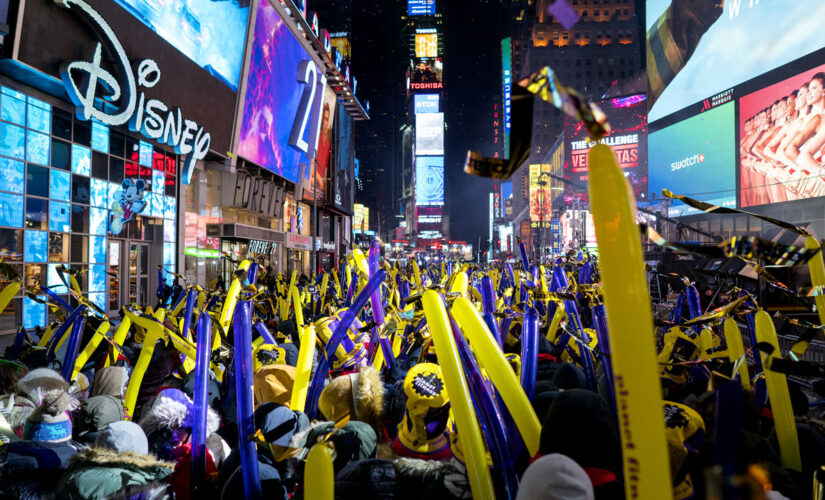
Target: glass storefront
[(84, 195)]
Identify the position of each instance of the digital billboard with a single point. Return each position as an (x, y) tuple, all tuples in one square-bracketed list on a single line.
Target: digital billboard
[(541, 194), (429, 134), (429, 180), (506, 88), (696, 157), (315, 186), (781, 139), (212, 34), (358, 217), (429, 222), (699, 49), (344, 148), (426, 103), (420, 7), (627, 139), (426, 45), (426, 73), (273, 97)]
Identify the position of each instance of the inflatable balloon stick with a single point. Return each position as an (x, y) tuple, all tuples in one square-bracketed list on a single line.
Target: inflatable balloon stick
[(90, 348), (530, 352), (243, 391), (319, 475), (71, 350), (736, 351), (231, 300), (523, 250), (377, 307), (8, 293), (118, 339), (201, 402), (472, 444), (492, 360), (783, 417), (154, 332), (630, 324), (600, 325), (303, 369), (817, 268)]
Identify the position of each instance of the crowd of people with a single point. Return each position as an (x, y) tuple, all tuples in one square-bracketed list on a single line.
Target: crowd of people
[(782, 147), (390, 423)]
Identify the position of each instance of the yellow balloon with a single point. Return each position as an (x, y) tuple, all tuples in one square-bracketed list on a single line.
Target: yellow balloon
[(8, 293), (319, 476), (460, 283), (119, 338), (470, 438), (154, 331), (630, 323), (817, 268), (491, 359), (778, 395), (736, 350), (303, 369)]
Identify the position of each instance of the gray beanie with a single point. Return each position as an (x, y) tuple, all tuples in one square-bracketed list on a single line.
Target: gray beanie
[(555, 477), (123, 436)]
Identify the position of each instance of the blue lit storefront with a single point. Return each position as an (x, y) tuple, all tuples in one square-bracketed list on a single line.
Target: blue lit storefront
[(101, 199)]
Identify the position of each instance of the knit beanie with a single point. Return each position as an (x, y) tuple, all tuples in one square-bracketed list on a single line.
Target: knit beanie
[(41, 380), (50, 421), (555, 477)]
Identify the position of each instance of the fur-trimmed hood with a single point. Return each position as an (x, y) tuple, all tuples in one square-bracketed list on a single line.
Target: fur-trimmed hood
[(106, 457), (167, 414), (368, 395)]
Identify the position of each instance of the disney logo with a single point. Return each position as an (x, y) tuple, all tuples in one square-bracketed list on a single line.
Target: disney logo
[(83, 80)]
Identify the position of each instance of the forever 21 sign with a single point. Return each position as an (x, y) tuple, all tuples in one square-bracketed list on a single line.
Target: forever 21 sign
[(253, 193)]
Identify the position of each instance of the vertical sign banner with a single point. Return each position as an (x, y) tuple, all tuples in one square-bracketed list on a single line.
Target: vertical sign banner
[(429, 180), (492, 217), (429, 134), (507, 81), (541, 196)]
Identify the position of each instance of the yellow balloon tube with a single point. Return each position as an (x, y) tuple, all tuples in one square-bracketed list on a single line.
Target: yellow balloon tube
[(8, 293), (47, 335), (87, 351), (779, 396), (817, 268), (460, 283), (319, 476), (630, 323), (492, 360), (303, 369), (736, 349), (118, 339), (154, 332), (416, 274), (554, 324), (470, 438)]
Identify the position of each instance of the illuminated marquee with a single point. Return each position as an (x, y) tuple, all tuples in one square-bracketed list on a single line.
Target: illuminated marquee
[(151, 118), (625, 147)]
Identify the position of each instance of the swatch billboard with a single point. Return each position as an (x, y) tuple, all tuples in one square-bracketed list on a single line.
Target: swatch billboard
[(284, 89)]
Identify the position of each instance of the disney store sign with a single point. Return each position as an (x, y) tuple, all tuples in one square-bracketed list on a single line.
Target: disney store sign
[(151, 118)]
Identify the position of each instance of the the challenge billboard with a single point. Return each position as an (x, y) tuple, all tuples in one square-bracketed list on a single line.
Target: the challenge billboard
[(210, 33), (429, 180), (627, 139)]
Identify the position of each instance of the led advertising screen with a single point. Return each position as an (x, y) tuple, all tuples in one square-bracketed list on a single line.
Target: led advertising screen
[(425, 103), (627, 139), (429, 134), (429, 180), (426, 74), (699, 49), (210, 33), (420, 7), (344, 148), (273, 97), (426, 45), (429, 222), (541, 195), (782, 140), (317, 187), (506, 89), (696, 157)]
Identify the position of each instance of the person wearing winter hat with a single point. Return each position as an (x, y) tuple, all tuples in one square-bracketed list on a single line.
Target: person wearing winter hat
[(50, 422), (273, 384), (167, 422), (17, 407), (555, 477), (119, 466), (579, 425), (423, 431), (358, 395), (111, 381)]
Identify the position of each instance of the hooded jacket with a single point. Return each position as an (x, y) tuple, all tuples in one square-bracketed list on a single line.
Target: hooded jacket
[(31, 469), (167, 414), (98, 474)]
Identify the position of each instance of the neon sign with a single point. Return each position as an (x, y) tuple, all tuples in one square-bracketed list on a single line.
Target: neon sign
[(150, 117)]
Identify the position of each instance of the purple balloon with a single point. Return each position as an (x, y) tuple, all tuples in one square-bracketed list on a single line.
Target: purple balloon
[(529, 352), (201, 402), (243, 391), (74, 344)]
